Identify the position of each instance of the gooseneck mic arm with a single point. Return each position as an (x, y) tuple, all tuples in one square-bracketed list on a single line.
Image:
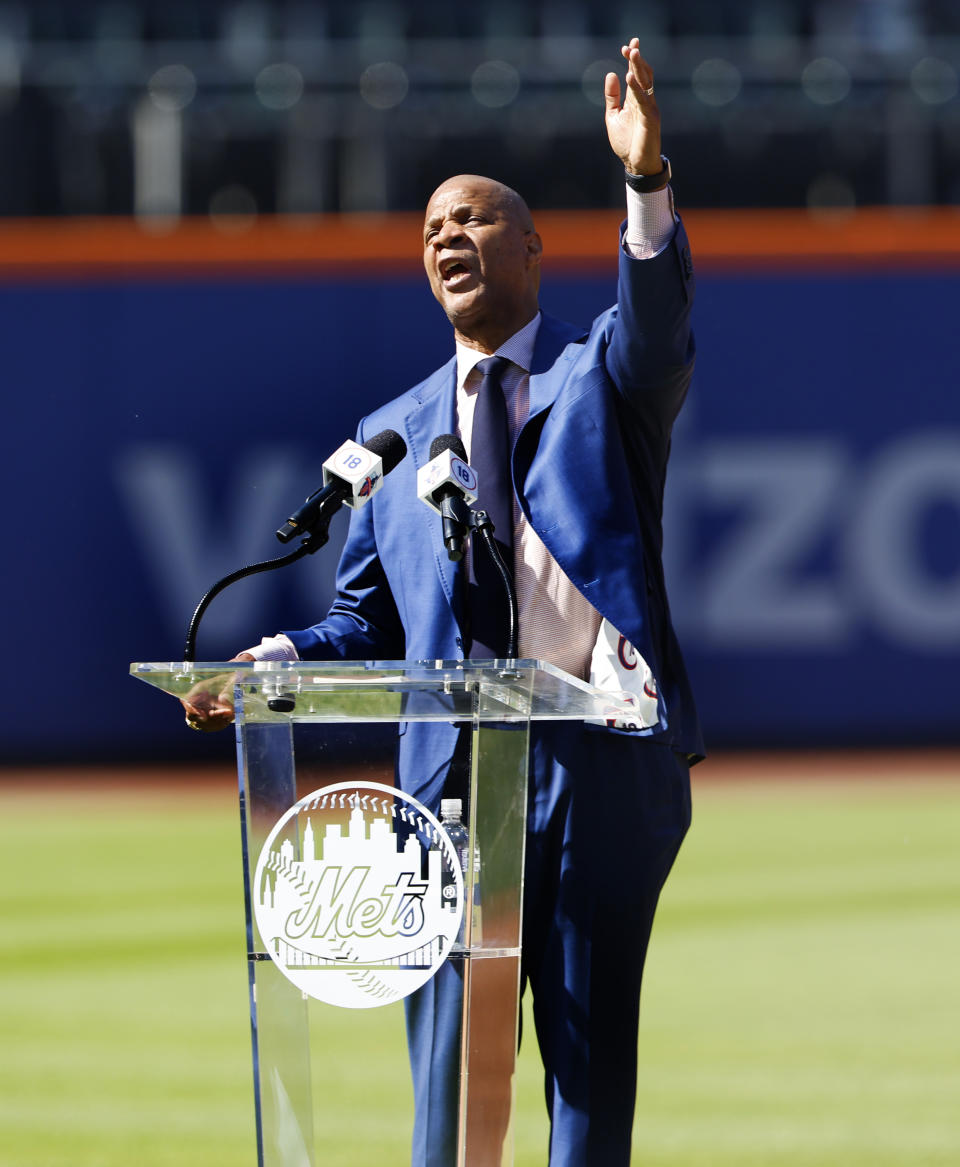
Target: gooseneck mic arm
[(307, 547), (482, 524), (352, 475)]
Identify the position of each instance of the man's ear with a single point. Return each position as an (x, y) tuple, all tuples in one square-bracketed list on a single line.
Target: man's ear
[(534, 246)]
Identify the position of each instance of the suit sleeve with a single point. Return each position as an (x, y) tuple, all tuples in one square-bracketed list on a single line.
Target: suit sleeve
[(650, 351)]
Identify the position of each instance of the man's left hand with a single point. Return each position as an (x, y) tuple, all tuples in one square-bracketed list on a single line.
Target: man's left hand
[(634, 127)]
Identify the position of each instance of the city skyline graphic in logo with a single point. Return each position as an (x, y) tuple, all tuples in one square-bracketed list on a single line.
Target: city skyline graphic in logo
[(352, 895)]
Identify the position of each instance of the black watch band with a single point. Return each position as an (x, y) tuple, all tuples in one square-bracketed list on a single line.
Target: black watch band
[(646, 183)]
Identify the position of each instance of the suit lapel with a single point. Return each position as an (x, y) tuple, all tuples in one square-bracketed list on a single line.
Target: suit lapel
[(434, 415), (550, 363), (554, 353)]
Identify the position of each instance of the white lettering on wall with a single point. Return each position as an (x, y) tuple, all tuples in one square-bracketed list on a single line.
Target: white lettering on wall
[(914, 606), (783, 492), (813, 545)]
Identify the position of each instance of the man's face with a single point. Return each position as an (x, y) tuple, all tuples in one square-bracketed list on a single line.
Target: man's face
[(482, 258)]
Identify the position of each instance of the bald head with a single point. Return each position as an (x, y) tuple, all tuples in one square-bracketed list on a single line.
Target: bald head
[(503, 196), (482, 256)]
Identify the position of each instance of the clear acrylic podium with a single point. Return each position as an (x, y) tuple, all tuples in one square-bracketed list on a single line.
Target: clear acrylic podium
[(321, 748)]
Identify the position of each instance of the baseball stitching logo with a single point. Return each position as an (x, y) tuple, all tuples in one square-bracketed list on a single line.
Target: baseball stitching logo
[(353, 894)]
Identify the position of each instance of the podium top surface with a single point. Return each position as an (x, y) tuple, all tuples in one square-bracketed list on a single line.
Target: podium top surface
[(391, 690)]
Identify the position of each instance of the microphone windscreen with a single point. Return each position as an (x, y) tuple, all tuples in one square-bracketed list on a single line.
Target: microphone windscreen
[(389, 447), (447, 442)]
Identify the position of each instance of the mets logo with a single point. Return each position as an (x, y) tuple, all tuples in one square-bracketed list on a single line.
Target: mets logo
[(369, 485), (358, 894)]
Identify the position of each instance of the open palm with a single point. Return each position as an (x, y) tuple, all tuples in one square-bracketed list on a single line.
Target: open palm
[(633, 124)]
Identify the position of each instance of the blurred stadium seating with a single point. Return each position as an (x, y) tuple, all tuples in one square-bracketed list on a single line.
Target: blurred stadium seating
[(166, 106)]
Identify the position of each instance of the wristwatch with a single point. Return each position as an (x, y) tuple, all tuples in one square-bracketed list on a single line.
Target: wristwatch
[(646, 183)]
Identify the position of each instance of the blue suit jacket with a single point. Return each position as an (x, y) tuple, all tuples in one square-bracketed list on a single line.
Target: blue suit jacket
[(589, 468)]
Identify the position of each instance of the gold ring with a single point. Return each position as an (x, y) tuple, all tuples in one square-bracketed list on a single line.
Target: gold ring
[(649, 92), (192, 724)]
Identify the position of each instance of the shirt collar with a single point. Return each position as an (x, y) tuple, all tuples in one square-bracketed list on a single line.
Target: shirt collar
[(518, 349)]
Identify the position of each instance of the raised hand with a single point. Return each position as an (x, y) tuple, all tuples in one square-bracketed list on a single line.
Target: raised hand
[(633, 126)]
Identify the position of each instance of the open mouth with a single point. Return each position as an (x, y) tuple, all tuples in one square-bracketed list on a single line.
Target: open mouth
[(453, 273)]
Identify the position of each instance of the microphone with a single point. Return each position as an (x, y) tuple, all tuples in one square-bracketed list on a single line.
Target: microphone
[(352, 475), (447, 484)]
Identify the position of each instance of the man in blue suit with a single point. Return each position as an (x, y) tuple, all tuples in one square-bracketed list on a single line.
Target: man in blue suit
[(590, 415)]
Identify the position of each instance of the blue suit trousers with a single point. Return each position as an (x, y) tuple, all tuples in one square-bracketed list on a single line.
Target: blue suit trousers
[(606, 817)]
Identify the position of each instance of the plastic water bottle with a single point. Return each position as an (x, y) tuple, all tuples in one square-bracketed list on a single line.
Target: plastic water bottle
[(451, 812)]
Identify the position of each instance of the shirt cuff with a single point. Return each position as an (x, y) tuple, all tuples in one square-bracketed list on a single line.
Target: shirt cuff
[(277, 647), (651, 222)]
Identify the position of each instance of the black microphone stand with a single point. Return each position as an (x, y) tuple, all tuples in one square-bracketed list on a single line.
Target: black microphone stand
[(316, 534), (482, 524)]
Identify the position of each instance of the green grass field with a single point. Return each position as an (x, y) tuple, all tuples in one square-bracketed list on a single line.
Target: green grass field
[(802, 1000)]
